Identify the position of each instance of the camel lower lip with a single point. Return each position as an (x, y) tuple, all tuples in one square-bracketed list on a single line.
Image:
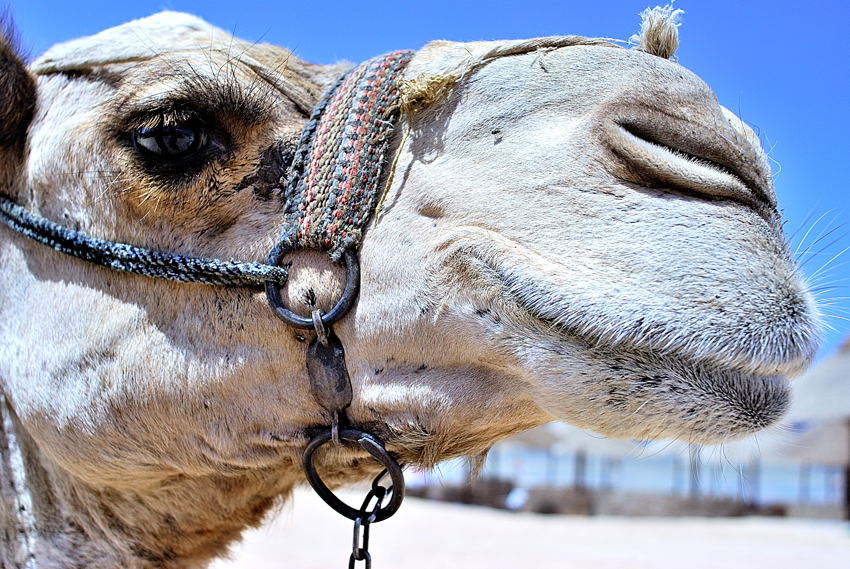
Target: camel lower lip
[(547, 291), (653, 396)]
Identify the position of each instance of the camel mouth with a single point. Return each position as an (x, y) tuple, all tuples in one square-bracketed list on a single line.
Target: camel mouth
[(637, 385), (666, 395), (543, 289), (689, 167), (655, 397)]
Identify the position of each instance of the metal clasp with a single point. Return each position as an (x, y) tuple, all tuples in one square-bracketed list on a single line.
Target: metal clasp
[(343, 305), (330, 383), (374, 447), (329, 380)]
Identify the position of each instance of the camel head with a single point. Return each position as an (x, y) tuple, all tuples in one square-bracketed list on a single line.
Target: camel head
[(568, 230)]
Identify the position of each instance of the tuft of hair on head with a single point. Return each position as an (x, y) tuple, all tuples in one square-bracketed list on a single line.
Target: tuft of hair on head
[(11, 37), (659, 31)]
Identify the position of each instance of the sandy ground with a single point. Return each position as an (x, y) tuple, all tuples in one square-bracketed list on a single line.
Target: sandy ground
[(309, 535)]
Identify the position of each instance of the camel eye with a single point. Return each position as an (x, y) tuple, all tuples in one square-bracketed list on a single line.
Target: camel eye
[(169, 142)]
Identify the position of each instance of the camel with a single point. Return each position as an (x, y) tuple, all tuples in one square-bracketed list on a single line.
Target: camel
[(567, 229)]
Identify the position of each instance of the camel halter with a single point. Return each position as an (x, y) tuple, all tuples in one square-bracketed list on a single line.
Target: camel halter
[(331, 190)]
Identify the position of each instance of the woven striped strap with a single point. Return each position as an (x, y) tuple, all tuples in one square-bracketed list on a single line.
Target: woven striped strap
[(335, 177)]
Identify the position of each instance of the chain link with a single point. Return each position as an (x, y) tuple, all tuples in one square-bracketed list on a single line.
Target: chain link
[(360, 541)]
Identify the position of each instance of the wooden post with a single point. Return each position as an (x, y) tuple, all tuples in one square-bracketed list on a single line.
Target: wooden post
[(580, 469), (714, 483), (847, 480), (677, 476), (847, 492), (494, 460), (755, 480), (804, 483), (605, 468), (551, 466)]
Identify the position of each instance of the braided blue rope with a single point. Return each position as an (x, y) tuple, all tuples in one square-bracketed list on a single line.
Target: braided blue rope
[(136, 260)]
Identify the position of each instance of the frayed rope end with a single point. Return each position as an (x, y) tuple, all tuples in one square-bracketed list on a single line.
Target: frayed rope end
[(424, 90), (659, 31)]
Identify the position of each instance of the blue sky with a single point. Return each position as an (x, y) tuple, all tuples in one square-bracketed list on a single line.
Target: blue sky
[(784, 67)]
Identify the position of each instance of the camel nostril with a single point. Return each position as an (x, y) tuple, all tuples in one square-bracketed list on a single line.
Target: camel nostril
[(692, 159)]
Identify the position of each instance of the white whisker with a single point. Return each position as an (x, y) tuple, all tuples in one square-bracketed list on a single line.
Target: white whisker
[(826, 265), (806, 235)]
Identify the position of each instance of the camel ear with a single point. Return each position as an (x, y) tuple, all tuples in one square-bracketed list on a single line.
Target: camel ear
[(17, 103)]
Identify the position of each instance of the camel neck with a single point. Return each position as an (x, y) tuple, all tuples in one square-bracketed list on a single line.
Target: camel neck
[(51, 520), (36, 533)]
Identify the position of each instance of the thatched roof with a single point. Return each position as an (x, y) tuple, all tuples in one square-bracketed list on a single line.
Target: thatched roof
[(823, 393)]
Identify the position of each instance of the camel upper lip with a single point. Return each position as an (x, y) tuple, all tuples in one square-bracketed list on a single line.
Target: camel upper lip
[(534, 283), (691, 159), (553, 325)]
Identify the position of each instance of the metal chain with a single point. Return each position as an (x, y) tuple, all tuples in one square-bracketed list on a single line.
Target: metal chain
[(360, 541)]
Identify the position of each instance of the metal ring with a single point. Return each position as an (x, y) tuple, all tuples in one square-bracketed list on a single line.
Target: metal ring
[(343, 305), (375, 448)]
